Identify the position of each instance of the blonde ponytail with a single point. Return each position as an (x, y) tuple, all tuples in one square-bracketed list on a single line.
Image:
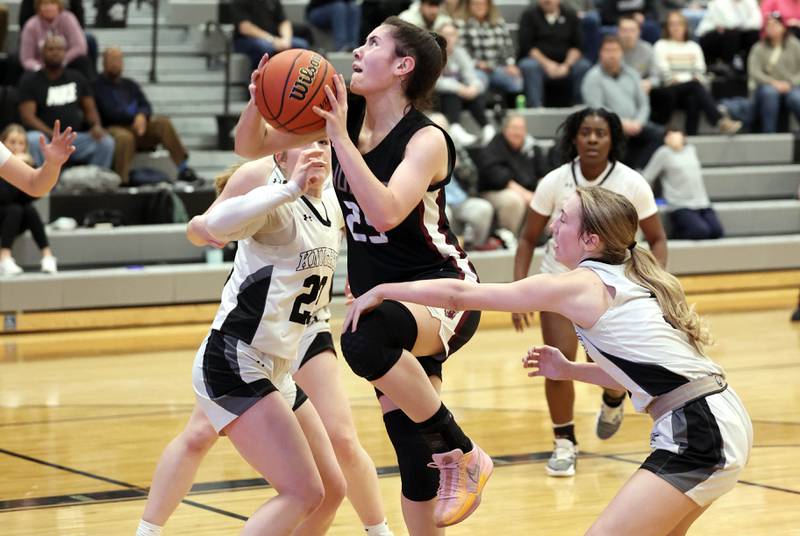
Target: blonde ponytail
[(613, 218), (643, 268)]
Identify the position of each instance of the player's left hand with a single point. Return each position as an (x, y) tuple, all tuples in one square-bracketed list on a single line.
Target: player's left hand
[(336, 118), (60, 147), (547, 361), (363, 304)]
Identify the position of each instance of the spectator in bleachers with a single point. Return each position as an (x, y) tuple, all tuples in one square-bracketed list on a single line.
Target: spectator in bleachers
[(678, 168), (681, 73), (342, 17), (426, 14), (53, 93), (16, 212), (261, 27), (644, 11), (637, 53), (509, 168), (472, 216), (728, 31), (617, 87), (590, 26), (774, 71), (693, 10), (374, 12), (455, 8), (459, 87), (485, 35), (550, 44), (789, 11), (127, 113), (52, 19), (27, 9)]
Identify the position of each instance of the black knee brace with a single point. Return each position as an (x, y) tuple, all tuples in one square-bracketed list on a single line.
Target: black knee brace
[(418, 481), (380, 339)]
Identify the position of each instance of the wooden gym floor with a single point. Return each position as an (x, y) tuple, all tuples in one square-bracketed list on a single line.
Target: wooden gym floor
[(80, 436)]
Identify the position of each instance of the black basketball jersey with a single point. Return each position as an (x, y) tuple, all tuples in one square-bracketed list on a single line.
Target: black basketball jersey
[(422, 246)]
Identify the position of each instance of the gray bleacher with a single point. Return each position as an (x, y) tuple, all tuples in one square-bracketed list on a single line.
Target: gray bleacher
[(752, 179)]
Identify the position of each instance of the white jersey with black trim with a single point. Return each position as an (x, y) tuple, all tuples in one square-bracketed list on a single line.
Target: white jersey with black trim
[(635, 345), (557, 186), (273, 291)]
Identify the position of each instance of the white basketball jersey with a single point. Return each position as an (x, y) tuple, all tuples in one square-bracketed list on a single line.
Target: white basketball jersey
[(273, 291), (635, 345)]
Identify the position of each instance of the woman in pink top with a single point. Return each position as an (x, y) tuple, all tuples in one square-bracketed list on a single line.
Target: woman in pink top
[(52, 19)]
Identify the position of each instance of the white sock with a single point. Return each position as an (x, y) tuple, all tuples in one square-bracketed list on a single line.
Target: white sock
[(381, 529), (148, 529)]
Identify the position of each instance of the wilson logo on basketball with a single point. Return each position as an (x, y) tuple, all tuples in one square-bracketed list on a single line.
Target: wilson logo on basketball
[(305, 78)]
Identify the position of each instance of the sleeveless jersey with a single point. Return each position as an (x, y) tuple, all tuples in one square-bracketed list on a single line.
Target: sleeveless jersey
[(273, 291), (422, 246), (635, 344)]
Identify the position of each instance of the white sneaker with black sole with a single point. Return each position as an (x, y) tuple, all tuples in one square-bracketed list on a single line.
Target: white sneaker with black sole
[(563, 459)]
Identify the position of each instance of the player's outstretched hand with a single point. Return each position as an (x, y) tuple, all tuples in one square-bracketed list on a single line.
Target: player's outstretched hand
[(60, 147), (336, 118), (361, 305), (521, 320), (547, 361), (255, 75), (310, 169)]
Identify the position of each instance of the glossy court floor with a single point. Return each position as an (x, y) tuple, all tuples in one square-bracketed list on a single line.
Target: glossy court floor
[(80, 436)]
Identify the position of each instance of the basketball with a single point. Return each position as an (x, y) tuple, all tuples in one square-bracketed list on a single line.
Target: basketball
[(289, 86)]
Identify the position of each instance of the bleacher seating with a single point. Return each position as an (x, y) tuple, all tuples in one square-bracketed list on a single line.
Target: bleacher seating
[(752, 179)]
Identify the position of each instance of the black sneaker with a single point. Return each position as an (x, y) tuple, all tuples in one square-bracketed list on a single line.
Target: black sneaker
[(188, 175)]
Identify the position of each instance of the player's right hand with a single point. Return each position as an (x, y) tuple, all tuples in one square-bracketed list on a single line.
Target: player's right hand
[(255, 76), (521, 320)]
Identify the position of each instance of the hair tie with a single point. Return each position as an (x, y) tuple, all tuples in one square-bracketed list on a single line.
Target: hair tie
[(632, 246)]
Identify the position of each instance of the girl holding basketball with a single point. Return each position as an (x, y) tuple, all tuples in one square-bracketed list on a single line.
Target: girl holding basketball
[(315, 371), (632, 318), (390, 166)]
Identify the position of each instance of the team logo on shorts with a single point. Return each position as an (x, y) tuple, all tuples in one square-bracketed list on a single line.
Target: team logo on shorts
[(450, 313)]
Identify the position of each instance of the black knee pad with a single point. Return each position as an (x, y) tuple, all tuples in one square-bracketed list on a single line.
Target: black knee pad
[(380, 339), (418, 481)]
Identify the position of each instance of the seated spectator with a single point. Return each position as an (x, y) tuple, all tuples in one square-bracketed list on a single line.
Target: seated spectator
[(636, 52), (127, 113), (681, 73), (16, 212), (617, 87), (374, 12), (459, 87), (454, 8), (261, 27), (342, 17), (485, 36), (472, 216), (426, 14), (729, 30), (550, 49), (644, 11), (509, 169), (27, 9), (52, 19), (58, 93), (677, 166), (774, 72), (789, 11)]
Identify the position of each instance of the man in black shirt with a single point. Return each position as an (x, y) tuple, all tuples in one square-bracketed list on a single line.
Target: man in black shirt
[(124, 108), (261, 27), (57, 93), (550, 49)]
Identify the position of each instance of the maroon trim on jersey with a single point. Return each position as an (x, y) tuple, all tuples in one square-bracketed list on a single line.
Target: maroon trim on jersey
[(451, 239)]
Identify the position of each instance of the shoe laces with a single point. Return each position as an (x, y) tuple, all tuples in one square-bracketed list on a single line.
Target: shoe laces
[(564, 451), (609, 414), (449, 479)]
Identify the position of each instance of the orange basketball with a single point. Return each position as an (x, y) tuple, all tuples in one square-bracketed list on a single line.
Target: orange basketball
[(289, 86)]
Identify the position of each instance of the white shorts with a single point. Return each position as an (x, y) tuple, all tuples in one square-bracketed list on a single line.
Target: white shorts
[(230, 376), (316, 339), (702, 448)]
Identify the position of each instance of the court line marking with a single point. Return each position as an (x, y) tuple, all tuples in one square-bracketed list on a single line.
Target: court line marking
[(135, 493)]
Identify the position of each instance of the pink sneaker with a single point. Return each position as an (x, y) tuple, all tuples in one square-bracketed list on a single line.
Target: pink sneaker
[(461, 480)]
